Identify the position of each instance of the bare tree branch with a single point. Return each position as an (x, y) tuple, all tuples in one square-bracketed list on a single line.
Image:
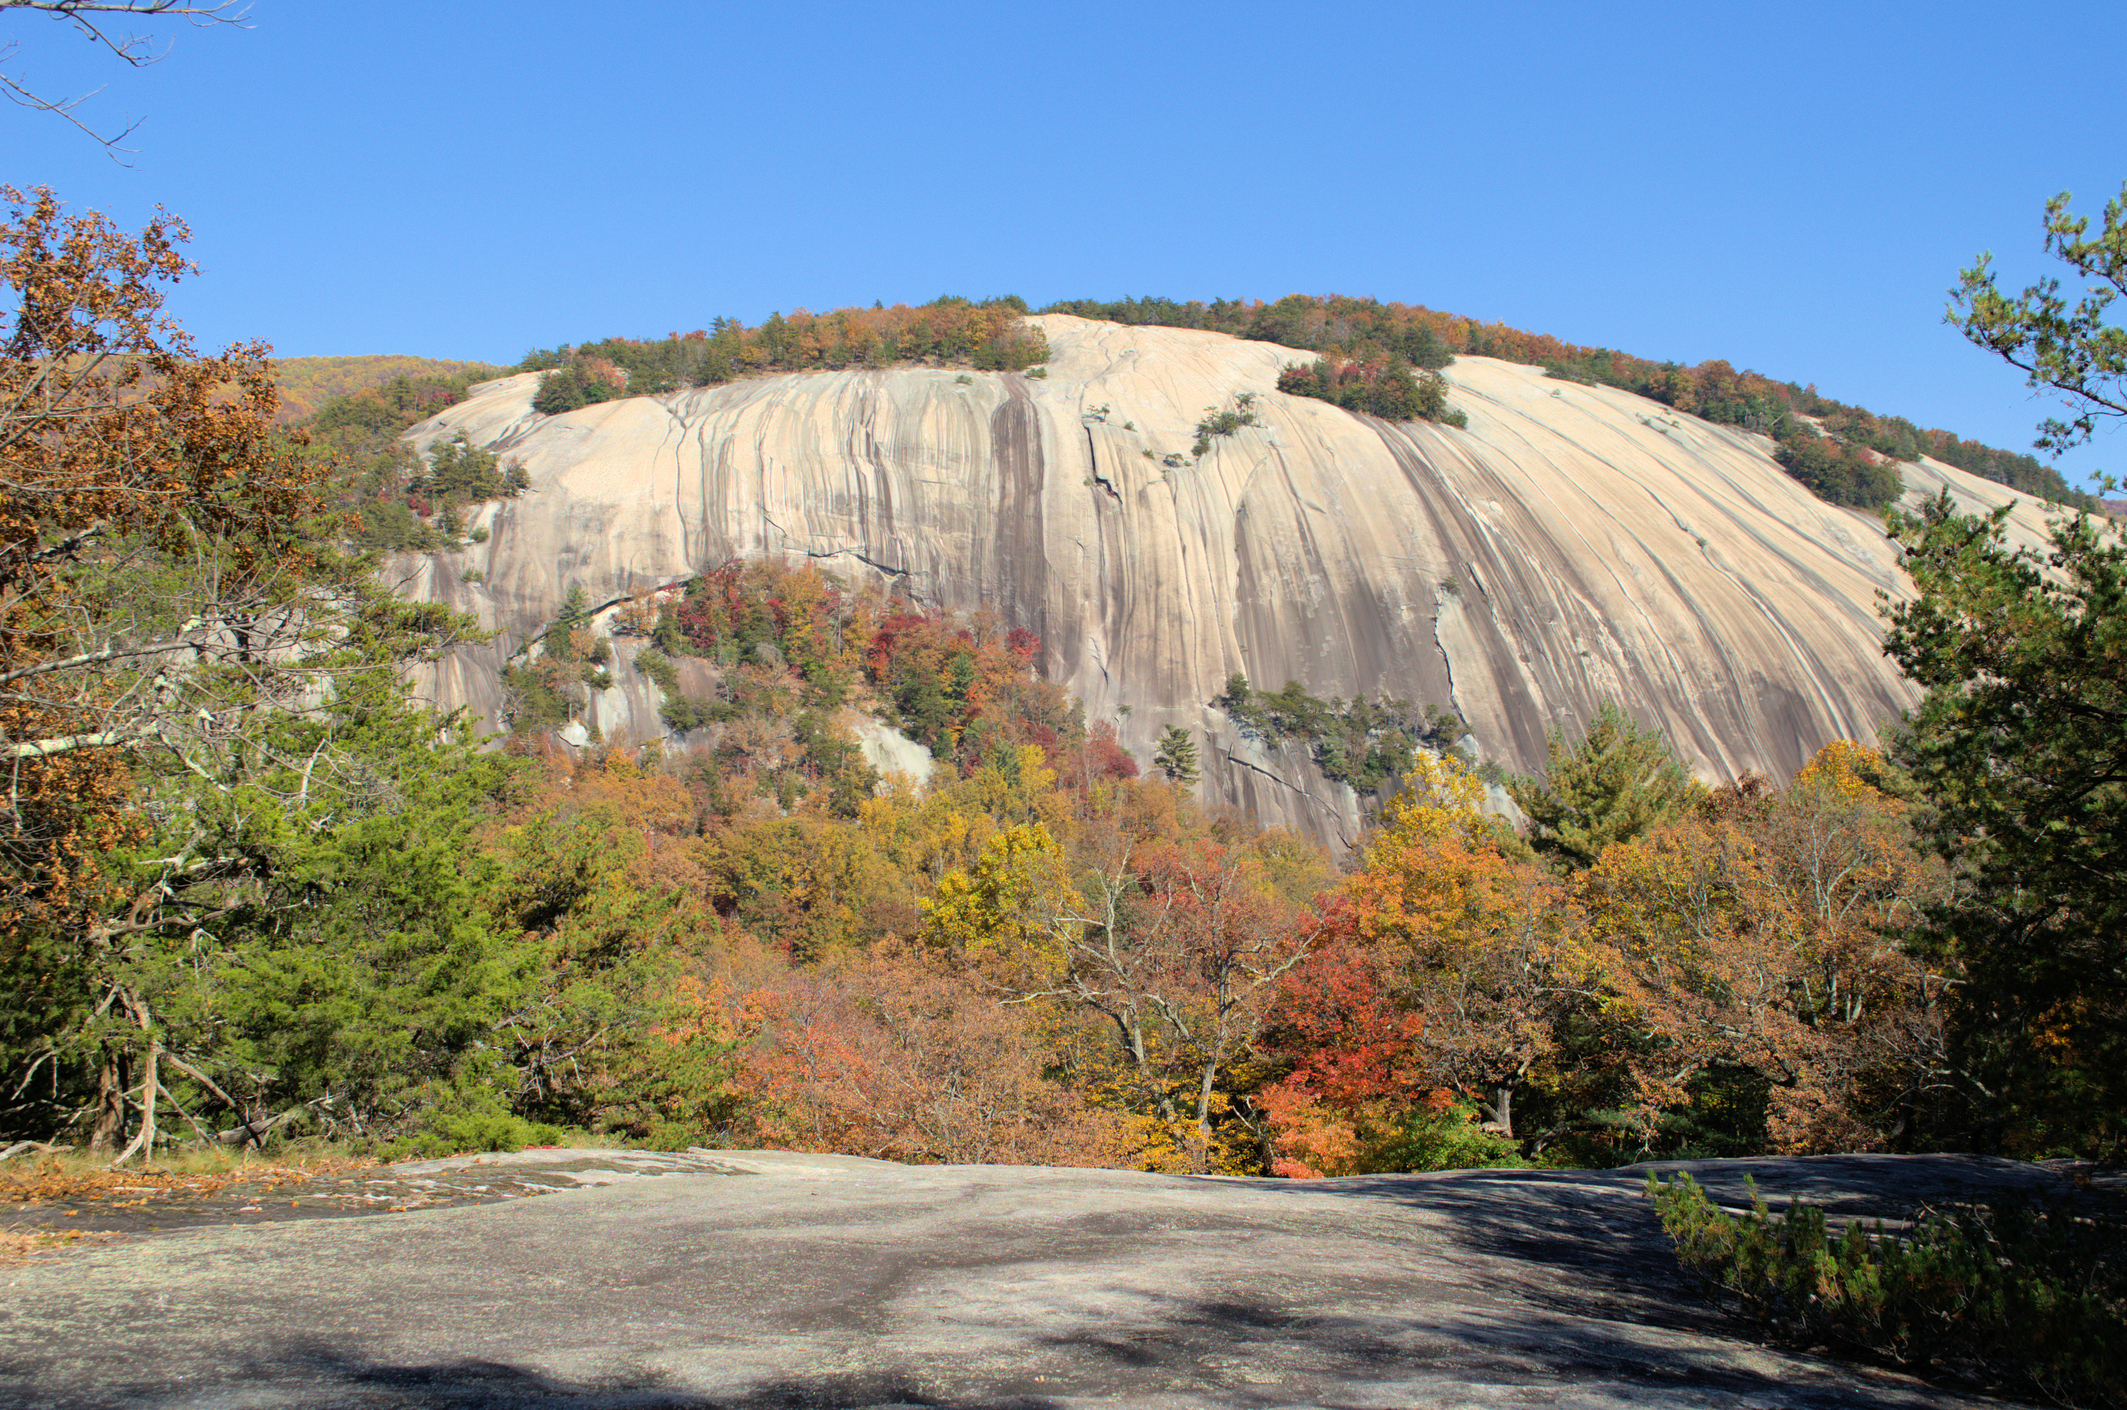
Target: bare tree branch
[(96, 21)]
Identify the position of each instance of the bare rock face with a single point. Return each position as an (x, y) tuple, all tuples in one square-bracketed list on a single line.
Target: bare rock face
[(1573, 544), (768, 1280)]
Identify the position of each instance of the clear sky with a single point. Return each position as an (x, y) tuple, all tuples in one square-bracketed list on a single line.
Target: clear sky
[(1790, 186)]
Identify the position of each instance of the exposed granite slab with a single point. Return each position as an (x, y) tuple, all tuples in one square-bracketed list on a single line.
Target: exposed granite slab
[(771, 1279), (1573, 544)]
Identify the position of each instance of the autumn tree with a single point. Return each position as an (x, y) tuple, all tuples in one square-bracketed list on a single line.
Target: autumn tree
[(160, 583), (1352, 1048), (1480, 945), (891, 1054), (1730, 981), (167, 604), (1697, 956), (1429, 999), (1841, 844), (1177, 950), (1754, 985)]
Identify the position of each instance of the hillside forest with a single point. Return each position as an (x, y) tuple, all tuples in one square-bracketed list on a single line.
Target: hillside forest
[(306, 384), (253, 891)]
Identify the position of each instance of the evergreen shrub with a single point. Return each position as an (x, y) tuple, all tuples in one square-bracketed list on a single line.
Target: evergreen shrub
[(2030, 1297)]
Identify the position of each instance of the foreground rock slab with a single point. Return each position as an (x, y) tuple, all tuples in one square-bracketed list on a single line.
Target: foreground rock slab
[(765, 1279), (270, 1194)]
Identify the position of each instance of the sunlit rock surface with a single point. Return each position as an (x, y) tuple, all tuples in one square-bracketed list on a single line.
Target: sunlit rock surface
[(1573, 544), (769, 1280)]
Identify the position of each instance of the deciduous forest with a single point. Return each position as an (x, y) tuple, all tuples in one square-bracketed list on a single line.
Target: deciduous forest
[(306, 384), (252, 891), (255, 895)]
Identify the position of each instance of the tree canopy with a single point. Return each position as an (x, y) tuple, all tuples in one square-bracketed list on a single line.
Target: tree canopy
[(2070, 349), (2020, 746), (173, 619), (1611, 785)]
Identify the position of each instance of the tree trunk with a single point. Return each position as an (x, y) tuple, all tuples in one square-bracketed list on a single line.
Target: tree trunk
[(1133, 1035), (150, 1093), (1502, 1106), (110, 1104)]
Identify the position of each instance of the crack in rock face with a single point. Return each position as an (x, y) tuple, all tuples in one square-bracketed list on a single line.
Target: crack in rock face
[(1555, 554)]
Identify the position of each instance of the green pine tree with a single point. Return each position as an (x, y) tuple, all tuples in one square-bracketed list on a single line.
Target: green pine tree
[(2020, 749), (1615, 783), (1175, 755), (575, 612)]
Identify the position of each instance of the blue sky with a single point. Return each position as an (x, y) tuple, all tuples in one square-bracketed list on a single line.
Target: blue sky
[(1792, 187)]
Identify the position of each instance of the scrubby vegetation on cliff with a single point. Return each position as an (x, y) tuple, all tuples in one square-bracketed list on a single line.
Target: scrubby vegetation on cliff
[(1382, 359), (784, 646), (1379, 386), (953, 332), (1370, 350), (394, 497), (1364, 743)]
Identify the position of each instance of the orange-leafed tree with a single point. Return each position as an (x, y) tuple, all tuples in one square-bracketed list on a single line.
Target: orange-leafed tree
[(1754, 947), (1432, 997), (1352, 1046), (1482, 944), (888, 1054), (1175, 950)]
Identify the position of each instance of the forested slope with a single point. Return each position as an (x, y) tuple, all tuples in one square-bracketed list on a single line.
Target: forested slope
[(308, 384), (251, 887)]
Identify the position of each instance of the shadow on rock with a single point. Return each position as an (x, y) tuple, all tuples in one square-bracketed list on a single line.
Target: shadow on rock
[(1578, 1242), (320, 1376), (1439, 1355)]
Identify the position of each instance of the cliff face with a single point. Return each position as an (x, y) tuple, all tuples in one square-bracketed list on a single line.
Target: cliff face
[(1573, 544)]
